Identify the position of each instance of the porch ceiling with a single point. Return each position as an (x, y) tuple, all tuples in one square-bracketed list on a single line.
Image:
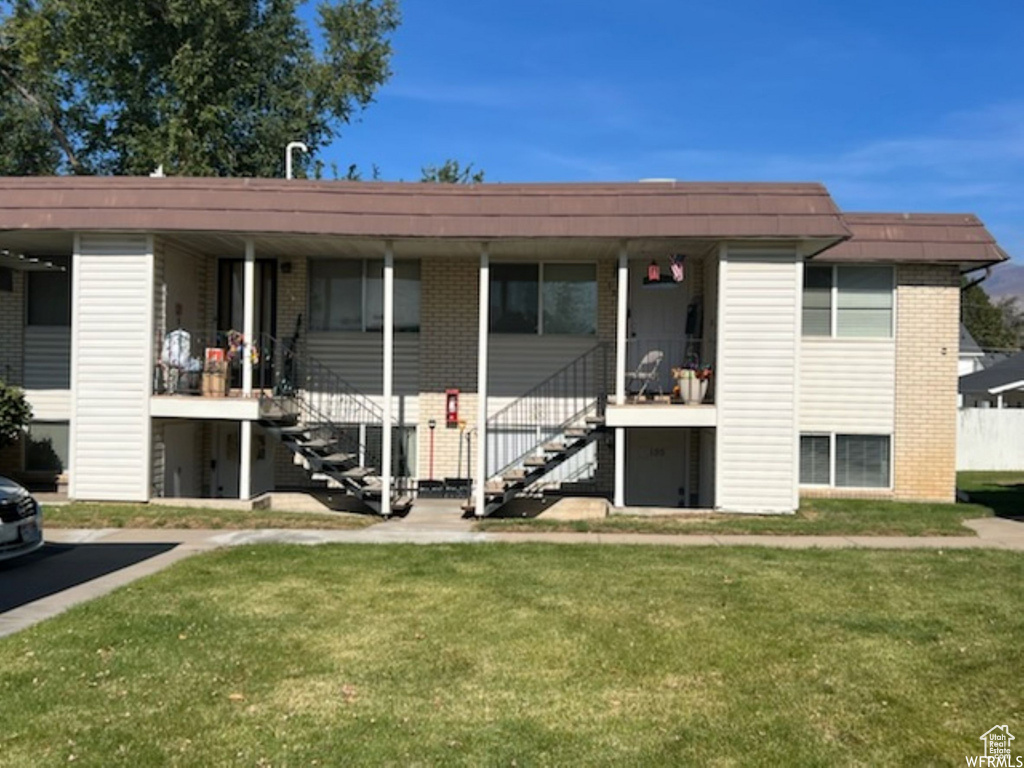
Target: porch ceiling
[(295, 246), (43, 243)]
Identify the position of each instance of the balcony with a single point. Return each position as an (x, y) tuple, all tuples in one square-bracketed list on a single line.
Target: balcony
[(199, 375), (669, 383)]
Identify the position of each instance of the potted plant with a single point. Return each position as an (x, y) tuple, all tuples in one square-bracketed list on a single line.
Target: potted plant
[(692, 380)]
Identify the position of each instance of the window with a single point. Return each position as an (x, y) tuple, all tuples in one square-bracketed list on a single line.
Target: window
[(865, 302), (848, 301), (544, 298), (49, 296), (403, 448), (569, 296), (815, 466), (817, 316), (407, 295), (348, 295), (514, 298), (861, 461), (46, 447)]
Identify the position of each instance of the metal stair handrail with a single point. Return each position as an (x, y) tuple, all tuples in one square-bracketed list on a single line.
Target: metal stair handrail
[(563, 400), (321, 395)]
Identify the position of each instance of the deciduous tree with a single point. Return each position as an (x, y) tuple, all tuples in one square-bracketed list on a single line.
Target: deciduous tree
[(202, 87)]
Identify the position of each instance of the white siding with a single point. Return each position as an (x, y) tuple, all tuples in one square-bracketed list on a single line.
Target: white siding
[(112, 318), (518, 362), (47, 357), (358, 358), (847, 386), (757, 380)]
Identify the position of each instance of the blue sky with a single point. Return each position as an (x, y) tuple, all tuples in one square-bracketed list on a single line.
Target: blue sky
[(893, 105)]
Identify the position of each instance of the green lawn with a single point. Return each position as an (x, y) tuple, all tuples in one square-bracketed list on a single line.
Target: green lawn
[(526, 655), (821, 517), (1003, 492), (82, 515)]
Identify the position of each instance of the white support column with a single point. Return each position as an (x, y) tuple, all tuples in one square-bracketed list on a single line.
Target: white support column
[(245, 462), (389, 375), (619, 499), (248, 331), (620, 328), (621, 339), (248, 314), (483, 330)]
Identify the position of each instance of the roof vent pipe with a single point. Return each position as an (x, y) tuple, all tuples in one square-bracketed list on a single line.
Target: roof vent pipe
[(293, 145)]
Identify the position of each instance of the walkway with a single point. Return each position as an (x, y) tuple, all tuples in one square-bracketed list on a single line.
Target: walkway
[(436, 522)]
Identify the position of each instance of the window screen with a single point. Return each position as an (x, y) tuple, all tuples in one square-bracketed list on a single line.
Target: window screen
[(514, 297), (49, 296), (865, 302), (569, 295), (862, 461), (814, 460), (335, 295), (817, 309)]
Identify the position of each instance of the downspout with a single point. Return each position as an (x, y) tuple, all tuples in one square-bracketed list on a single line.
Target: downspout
[(979, 281)]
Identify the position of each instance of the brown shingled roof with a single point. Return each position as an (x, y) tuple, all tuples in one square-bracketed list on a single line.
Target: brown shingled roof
[(930, 238), (413, 210)]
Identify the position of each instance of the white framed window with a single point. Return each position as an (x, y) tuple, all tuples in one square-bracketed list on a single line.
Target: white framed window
[(854, 301), (46, 446), (348, 295), (846, 461), (544, 298), (815, 459)]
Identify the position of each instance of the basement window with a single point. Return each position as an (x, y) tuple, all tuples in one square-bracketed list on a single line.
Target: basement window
[(845, 461), (46, 447)]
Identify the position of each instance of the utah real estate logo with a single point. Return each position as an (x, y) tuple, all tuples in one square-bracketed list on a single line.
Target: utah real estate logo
[(997, 750)]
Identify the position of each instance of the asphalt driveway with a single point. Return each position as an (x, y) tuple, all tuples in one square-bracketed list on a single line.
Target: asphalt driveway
[(57, 567)]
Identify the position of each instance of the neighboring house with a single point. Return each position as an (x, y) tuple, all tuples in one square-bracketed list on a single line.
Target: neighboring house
[(991, 422), (492, 334), (971, 355), (1001, 385)]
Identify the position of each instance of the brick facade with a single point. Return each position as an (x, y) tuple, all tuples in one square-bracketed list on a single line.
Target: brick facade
[(12, 331), (927, 345), (12, 335), (449, 298)]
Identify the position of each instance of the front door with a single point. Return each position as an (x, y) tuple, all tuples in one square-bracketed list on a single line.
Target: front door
[(656, 467), (231, 306), (657, 322)]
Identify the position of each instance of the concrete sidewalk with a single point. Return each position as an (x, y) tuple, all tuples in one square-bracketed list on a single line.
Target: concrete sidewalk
[(431, 525)]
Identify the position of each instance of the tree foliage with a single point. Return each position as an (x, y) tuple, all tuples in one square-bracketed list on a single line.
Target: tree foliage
[(15, 413), (451, 172), (993, 326), (202, 87)]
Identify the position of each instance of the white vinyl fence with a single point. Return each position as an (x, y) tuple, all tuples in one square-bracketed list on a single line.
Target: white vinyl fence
[(990, 439)]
